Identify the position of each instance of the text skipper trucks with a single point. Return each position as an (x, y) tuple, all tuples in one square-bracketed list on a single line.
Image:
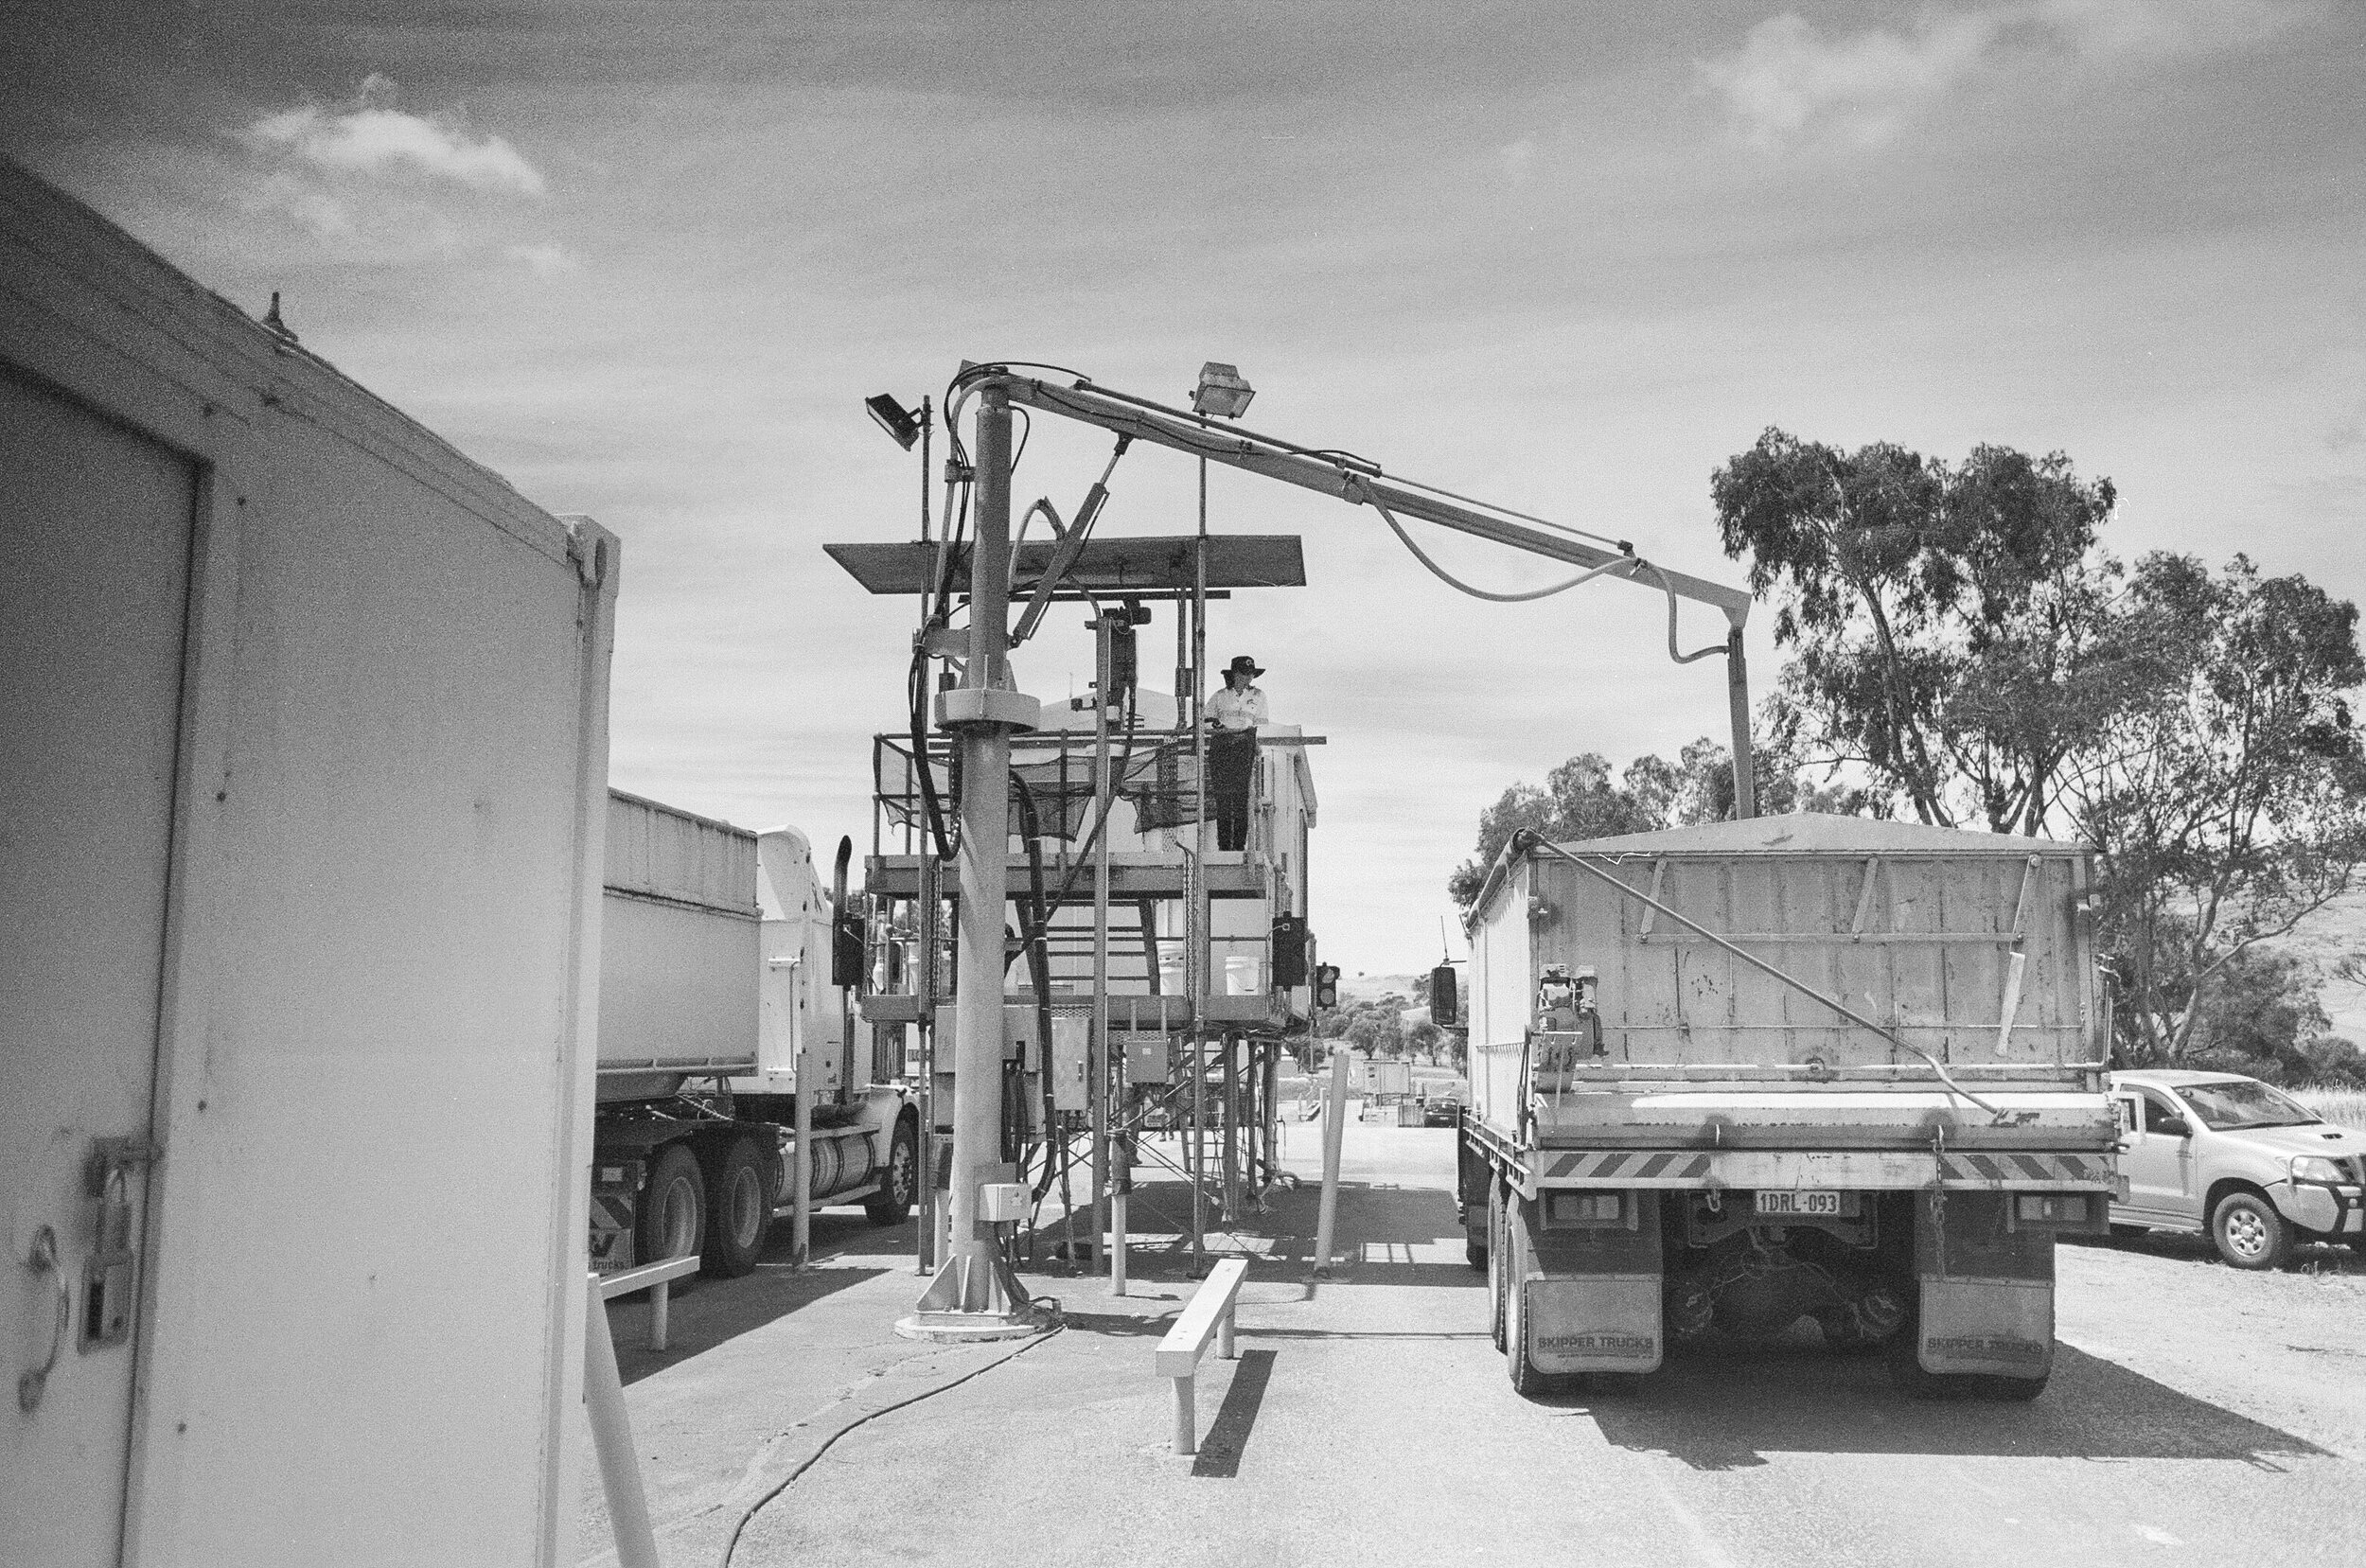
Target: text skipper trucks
[(1731, 1076)]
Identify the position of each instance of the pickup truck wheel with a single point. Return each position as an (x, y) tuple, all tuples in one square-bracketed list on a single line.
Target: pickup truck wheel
[(673, 1218), (739, 1212), (899, 1182), (2248, 1232)]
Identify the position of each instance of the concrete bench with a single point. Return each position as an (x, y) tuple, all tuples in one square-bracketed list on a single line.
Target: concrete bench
[(657, 1279), (1208, 1315)]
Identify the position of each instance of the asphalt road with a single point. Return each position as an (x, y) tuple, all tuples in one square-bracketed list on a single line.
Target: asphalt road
[(2196, 1414)]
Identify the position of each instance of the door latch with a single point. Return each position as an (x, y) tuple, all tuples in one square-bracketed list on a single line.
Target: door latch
[(110, 1278)]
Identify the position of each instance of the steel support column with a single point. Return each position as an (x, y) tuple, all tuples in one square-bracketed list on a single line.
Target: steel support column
[(974, 1294)]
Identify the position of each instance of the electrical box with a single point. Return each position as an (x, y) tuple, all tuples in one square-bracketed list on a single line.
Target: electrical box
[(1147, 1060), (1071, 1040), (1019, 1043), (1002, 1202), (1018, 1036)]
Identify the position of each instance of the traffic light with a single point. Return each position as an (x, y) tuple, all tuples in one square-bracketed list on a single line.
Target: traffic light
[(1445, 1001), (1326, 985), (1289, 952)]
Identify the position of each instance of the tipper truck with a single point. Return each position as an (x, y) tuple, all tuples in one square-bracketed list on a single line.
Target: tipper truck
[(717, 962), (1726, 1078)]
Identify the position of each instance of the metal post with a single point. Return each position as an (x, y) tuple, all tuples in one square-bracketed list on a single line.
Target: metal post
[(1097, 1049), (1335, 1130), (611, 1440), (801, 1156), (1737, 699), (1230, 1129), (1186, 1440), (1197, 950), (975, 1294), (1269, 1117), (1116, 1237), (925, 1032)]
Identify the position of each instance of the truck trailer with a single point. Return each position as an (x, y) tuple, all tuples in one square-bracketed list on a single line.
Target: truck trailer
[(1730, 1077), (715, 974)]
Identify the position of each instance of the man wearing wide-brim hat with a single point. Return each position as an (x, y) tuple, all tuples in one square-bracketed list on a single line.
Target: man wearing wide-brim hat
[(1233, 716)]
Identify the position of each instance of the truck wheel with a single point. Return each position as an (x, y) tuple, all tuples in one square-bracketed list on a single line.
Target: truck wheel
[(2249, 1233), (1905, 1367), (673, 1218), (1495, 1257), (1527, 1380), (2014, 1390), (1475, 1242), (899, 1182), (739, 1211)]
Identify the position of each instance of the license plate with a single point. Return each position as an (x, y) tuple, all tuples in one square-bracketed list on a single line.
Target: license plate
[(1837, 1205)]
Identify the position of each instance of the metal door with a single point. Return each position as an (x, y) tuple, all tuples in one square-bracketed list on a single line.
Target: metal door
[(94, 563), (2159, 1163)]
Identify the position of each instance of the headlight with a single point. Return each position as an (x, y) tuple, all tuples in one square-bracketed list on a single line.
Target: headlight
[(2309, 1168)]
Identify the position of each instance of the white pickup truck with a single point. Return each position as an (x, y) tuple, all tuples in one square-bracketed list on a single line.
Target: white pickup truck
[(2255, 1168)]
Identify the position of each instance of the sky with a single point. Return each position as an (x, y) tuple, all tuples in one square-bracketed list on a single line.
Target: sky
[(645, 260)]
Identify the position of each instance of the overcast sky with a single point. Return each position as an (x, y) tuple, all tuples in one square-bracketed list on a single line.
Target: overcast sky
[(645, 260)]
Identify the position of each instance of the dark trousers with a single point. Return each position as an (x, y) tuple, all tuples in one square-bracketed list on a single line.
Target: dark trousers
[(1231, 765)]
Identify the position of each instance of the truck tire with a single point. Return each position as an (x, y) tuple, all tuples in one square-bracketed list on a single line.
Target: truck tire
[(2248, 1233), (1495, 1257), (739, 1211), (671, 1220), (1528, 1379), (899, 1181)]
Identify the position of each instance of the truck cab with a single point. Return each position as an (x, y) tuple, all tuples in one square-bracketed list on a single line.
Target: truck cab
[(2235, 1158)]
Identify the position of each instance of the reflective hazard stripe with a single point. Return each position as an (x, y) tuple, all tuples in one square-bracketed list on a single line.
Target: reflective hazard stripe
[(1675, 1168), (2018, 1170), (1618, 1163)]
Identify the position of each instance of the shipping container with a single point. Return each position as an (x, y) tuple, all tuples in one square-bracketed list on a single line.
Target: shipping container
[(302, 801)]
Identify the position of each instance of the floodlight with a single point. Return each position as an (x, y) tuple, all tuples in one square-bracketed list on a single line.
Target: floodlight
[(1222, 391), (894, 419)]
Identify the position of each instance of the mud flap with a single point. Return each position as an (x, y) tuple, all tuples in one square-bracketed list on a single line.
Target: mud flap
[(1590, 1299), (1987, 1289), (2003, 1327)]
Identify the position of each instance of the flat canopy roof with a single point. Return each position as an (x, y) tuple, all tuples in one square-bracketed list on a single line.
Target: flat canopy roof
[(1105, 566)]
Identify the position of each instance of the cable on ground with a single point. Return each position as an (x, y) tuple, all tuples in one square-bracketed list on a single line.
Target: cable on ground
[(739, 1525)]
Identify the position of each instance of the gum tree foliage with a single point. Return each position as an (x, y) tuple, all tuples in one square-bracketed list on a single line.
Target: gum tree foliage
[(1940, 619), (2228, 798)]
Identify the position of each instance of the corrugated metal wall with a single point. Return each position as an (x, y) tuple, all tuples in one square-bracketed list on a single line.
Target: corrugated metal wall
[(658, 852), (1925, 950)]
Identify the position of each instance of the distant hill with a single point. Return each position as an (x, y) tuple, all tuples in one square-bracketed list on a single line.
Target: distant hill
[(1371, 988)]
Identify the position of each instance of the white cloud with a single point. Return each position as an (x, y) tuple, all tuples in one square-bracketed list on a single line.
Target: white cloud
[(1519, 160), (370, 136), (545, 260), (1786, 80)]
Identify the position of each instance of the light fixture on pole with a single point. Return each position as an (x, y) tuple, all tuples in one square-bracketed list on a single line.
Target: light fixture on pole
[(1222, 392), (902, 425)]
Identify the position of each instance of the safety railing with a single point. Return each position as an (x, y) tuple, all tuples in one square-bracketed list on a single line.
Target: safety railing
[(657, 1279), (1209, 1315)]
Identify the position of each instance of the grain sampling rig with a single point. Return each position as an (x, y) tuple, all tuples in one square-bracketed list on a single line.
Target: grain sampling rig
[(976, 783)]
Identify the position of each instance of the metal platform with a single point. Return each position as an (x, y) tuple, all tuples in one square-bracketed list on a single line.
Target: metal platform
[(1228, 873)]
